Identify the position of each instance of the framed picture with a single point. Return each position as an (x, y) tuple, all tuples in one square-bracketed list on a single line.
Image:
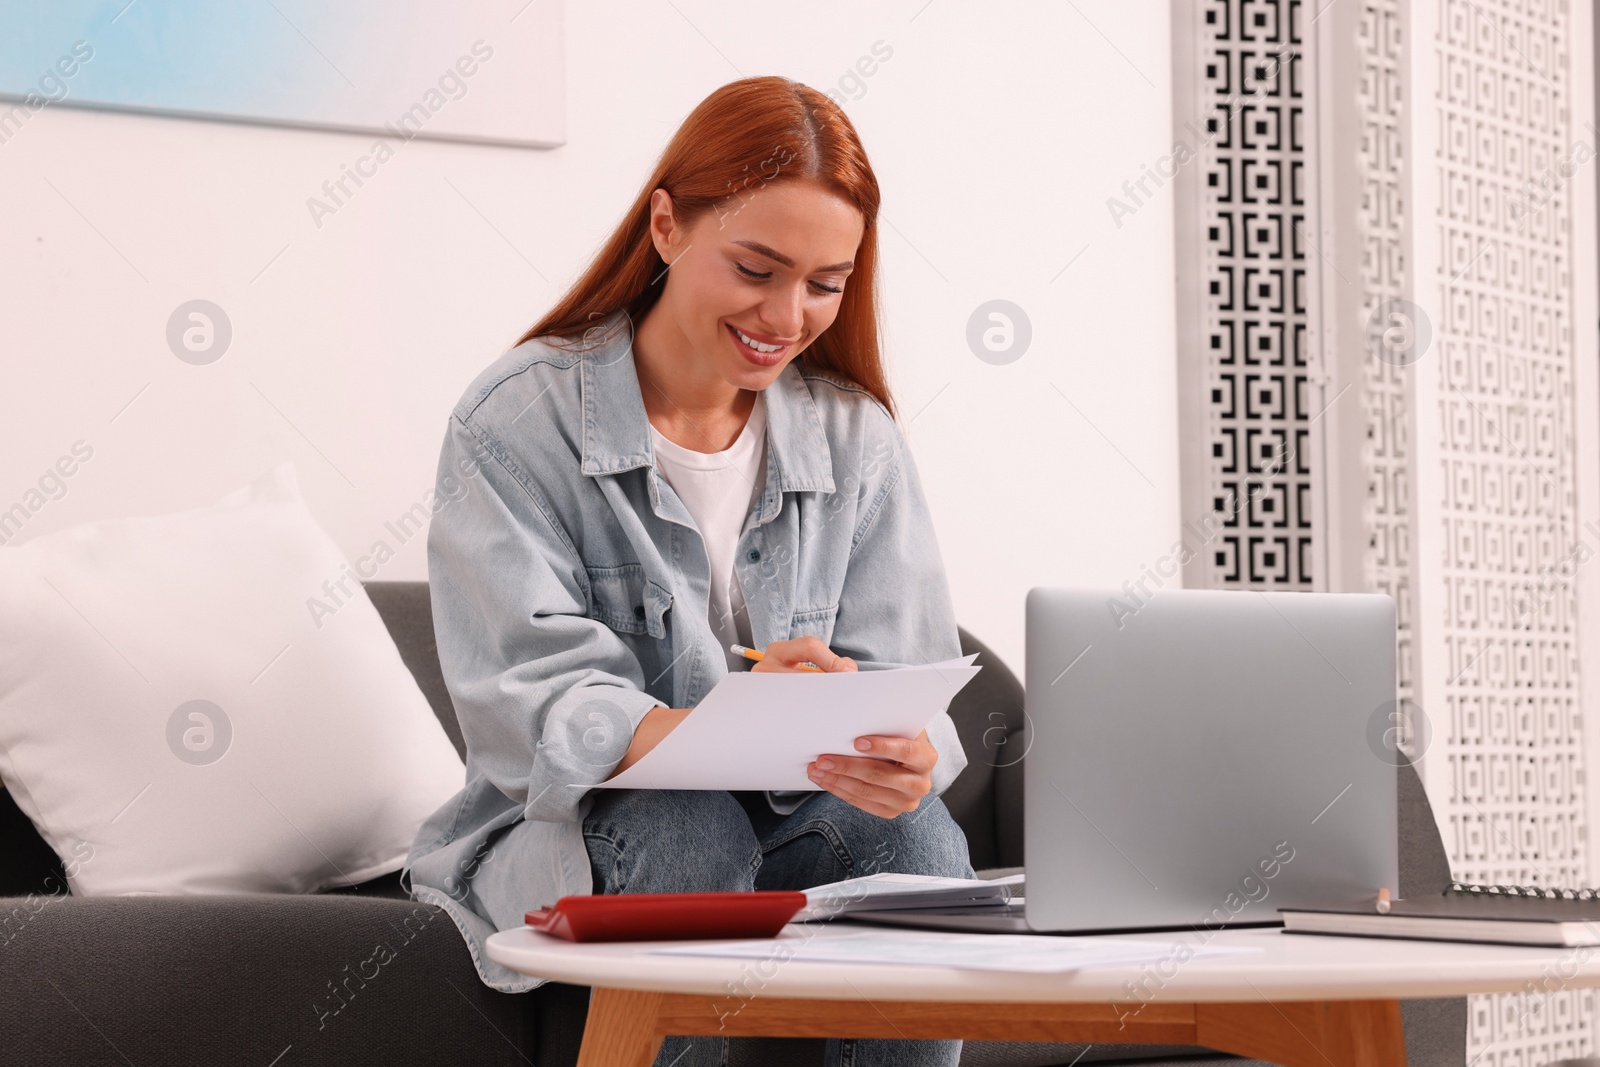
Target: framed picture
[(486, 71)]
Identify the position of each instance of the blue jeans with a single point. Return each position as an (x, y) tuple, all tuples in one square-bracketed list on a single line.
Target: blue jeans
[(688, 841)]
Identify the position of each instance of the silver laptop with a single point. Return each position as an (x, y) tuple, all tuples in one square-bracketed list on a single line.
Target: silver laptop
[(1202, 759)]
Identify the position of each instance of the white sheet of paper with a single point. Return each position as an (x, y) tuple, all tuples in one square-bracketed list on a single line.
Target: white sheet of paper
[(853, 894), (1036, 953), (756, 730)]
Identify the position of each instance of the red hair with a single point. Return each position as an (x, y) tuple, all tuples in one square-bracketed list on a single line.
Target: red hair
[(749, 132)]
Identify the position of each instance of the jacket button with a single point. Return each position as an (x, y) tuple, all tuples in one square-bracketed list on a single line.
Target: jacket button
[(755, 555), (638, 612)]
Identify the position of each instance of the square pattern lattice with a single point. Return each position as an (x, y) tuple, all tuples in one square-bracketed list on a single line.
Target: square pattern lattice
[(1505, 365), (1493, 127), (1387, 456), (1259, 410), (1509, 716)]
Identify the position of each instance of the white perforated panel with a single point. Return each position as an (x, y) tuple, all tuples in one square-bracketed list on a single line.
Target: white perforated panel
[(1251, 269), (1505, 385), (1385, 393), (1436, 157), (1508, 707)]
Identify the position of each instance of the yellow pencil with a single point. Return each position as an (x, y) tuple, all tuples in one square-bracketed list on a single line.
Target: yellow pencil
[(758, 655)]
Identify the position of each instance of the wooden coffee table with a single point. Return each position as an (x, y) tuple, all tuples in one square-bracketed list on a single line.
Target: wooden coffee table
[(1302, 1001)]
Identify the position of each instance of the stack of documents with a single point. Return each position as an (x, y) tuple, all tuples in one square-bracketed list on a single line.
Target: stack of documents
[(759, 730), (893, 892)]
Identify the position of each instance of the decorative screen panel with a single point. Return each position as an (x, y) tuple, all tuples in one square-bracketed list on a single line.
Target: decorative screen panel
[(1505, 368), (1433, 150), (1385, 390), (1506, 703), (1258, 406)]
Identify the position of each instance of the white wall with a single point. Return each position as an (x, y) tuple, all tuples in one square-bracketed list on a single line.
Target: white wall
[(998, 132)]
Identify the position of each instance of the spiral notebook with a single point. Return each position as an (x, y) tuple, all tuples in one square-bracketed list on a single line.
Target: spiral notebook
[(1513, 915)]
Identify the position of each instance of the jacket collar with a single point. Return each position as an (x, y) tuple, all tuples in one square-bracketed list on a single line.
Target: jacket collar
[(616, 431)]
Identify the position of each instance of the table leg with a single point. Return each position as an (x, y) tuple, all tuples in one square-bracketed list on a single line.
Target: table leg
[(1341, 1033), (621, 1029)]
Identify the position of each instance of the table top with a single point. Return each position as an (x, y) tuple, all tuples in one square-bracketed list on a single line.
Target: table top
[(1288, 967)]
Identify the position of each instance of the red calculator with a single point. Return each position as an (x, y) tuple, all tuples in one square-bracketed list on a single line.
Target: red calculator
[(668, 916)]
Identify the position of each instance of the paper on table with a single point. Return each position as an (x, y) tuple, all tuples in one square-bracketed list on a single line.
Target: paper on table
[(1034, 953), (874, 891), (758, 730)]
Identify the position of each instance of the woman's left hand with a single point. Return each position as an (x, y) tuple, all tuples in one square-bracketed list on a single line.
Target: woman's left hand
[(891, 779)]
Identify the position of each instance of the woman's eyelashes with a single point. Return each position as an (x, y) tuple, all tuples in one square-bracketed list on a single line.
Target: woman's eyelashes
[(764, 276)]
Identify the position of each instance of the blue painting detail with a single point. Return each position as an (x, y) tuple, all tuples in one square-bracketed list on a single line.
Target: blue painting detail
[(358, 65)]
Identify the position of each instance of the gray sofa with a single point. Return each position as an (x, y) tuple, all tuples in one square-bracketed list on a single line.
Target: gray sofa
[(276, 981)]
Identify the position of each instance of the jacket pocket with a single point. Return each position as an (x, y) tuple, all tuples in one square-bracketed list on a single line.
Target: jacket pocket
[(814, 622), (627, 601)]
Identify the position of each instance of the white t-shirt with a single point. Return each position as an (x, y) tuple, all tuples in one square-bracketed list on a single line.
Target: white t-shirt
[(719, 489)]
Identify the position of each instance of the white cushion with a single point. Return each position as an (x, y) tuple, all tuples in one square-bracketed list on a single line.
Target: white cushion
[(315, 757)]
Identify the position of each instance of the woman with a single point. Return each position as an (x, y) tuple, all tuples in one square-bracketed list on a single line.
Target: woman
[(695, 447)]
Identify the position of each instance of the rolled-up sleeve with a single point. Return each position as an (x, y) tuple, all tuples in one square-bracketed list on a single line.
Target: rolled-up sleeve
[(547, 698), (895, 608)]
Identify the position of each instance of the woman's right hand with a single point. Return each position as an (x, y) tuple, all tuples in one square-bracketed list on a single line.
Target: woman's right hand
[(786, 656)]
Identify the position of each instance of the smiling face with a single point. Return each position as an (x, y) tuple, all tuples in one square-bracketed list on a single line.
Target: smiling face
[(752, 284)]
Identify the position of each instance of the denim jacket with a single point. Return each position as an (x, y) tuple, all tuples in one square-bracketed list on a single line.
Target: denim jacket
[(569, 588)]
